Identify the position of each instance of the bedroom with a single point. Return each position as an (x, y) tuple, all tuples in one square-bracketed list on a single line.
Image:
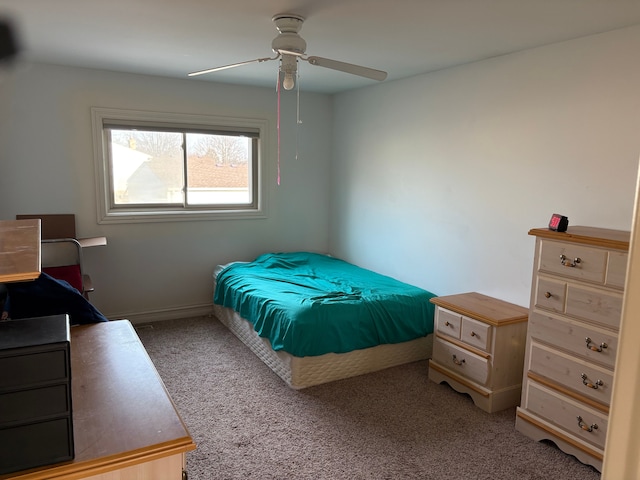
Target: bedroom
[(434, 179)]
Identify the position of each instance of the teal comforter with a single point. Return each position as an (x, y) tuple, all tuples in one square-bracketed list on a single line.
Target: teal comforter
[(310, 304)]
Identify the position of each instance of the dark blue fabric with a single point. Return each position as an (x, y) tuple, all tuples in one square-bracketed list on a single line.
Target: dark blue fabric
[(46, 296)]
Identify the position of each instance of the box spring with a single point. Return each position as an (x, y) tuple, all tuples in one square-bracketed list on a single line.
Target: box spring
[(303, 372)]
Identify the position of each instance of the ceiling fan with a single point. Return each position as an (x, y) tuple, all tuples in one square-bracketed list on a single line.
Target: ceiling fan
[(290, 47)]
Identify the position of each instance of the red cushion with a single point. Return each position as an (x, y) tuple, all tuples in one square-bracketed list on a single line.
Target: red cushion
[(70, 274)]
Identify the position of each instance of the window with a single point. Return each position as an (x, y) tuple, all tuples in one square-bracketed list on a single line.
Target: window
[(161, 166)]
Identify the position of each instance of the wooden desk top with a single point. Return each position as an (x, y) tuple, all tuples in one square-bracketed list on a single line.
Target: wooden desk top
[(122, 413), (19, 250)]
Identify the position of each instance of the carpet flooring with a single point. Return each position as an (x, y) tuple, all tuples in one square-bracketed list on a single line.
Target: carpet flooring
[(393, 424)]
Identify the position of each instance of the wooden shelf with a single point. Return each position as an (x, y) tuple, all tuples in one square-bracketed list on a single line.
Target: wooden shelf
[(19, 250)]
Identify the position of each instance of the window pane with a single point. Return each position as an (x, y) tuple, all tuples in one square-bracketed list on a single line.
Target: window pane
[(156, 167), (147, 167), (218, 169)]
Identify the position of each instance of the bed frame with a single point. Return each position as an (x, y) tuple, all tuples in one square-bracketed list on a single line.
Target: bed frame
[(303, 372)]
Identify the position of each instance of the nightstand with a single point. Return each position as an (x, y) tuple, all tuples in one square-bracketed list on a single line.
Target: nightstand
[(479, 347)]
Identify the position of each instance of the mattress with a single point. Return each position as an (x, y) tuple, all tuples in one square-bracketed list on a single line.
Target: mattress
[(310, 304), (303, 372)]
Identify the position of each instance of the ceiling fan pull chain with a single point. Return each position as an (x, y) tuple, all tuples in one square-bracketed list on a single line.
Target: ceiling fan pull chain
[(298, 121), (278, 123)]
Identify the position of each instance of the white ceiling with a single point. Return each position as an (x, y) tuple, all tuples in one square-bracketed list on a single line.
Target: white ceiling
[(404, 37)]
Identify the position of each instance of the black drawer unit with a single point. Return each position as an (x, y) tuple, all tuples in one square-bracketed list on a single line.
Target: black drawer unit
[(36, 425)]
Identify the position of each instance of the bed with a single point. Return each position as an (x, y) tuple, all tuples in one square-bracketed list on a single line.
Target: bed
[(313, 318)]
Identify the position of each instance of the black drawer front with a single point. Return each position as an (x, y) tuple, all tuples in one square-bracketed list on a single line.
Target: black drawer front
[(34, 368), (34, 404), (36, 445)]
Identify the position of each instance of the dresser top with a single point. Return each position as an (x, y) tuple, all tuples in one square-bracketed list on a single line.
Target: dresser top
[(599, 237)]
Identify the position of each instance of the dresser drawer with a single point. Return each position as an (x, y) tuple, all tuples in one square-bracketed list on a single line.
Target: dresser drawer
[(560, 258), (448, 323), (33, 368), (616, 269), (37, 403), (461, 361), (569, 415), (550, 294), (571, 336), (36, 444), (476, 333), (595, 305), (584, 378)]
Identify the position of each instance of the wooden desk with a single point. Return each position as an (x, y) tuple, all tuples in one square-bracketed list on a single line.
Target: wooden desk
[(19, 250), (125, 424)]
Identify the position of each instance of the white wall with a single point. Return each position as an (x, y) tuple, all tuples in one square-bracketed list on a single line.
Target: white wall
[(157, 270), (438, 178), (435, 179)]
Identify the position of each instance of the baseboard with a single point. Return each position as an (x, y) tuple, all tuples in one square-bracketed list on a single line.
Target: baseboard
[(164, 314)]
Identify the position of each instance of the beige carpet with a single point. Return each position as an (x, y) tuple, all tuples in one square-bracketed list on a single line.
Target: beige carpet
[(393, 424)]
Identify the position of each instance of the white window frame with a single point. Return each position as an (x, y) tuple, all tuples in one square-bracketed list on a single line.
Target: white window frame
[(108, 213)]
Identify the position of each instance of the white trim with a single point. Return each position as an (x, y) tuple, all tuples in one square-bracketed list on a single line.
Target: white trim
[(621, 458), (106, 215)]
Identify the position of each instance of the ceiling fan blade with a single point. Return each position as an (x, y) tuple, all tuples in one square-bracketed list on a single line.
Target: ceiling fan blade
[(348, 68), (224, 67)]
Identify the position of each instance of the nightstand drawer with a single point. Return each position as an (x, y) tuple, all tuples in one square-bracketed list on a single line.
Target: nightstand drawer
[(573, 261), (448, 323), (575, 418), (461, 361), (597, 345), (476, 333), (584, 378)]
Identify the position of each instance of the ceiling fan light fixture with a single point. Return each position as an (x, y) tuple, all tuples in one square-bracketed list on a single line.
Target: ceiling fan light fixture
[(289, 66), (288, 83), (288, 22), (289, 42)]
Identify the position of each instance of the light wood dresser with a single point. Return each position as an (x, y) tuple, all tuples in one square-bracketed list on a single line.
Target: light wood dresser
[(576, 305), (478, 348), (125, 425)]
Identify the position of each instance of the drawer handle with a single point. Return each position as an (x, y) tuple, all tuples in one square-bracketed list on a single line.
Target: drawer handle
[(594, 385), (585, 427), (567, 263), (458, 362), (473, 334), (447, 324), (547, 295), (593, 347)]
